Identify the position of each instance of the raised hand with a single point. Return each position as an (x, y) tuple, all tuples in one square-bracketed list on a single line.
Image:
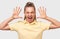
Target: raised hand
[(16, 12), (4, 25), (42, 12)]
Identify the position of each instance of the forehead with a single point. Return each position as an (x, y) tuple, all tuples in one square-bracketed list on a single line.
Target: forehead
[(29, 9)]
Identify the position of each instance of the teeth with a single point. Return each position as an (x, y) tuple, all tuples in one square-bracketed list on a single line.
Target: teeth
[(30, 17)]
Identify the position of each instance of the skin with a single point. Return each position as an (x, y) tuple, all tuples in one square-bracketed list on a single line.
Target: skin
[(54, 23), (30, 15)]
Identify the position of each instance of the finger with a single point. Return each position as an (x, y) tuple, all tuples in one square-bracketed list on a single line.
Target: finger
[(42, 8), (45, 9), (20, 10), (17, 9), (39, 9), (14, 10)]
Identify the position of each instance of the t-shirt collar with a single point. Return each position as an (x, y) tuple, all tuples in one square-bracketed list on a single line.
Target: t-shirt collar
[(34, 22)]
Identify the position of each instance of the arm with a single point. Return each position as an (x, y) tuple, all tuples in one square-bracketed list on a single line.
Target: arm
[(4, 25), (54, 23)]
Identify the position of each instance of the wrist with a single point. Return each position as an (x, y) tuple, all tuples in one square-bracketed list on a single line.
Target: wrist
[(46, 17), (12, 18)]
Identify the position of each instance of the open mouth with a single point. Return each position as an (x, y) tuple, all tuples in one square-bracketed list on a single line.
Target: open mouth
[(30, 17)]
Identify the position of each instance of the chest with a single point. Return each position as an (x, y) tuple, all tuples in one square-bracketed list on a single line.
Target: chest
[(28, 29)]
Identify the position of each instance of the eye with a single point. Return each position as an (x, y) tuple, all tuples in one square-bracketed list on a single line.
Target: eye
[(32, 12), (27, 12)]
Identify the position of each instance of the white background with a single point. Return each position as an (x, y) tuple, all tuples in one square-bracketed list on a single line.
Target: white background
[(53, 10)]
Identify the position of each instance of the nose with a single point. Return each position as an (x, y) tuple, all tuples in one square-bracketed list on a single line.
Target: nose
[(30, 14)]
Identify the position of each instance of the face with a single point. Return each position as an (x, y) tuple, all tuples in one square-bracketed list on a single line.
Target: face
[(30, 14)]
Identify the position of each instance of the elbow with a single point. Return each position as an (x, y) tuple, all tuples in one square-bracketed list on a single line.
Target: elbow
[(1, 28)]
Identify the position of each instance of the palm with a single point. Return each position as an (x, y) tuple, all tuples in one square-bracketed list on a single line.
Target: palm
[(16, 12), (42, 11)]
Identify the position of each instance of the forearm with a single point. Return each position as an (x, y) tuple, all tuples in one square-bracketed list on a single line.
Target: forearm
[(5, 22), (53, 21)]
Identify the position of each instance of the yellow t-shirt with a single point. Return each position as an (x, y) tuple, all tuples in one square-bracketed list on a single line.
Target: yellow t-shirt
[(27, 30)]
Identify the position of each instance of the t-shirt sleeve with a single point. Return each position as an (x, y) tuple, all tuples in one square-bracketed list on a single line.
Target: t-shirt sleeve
[(45, 25), (13, 27)]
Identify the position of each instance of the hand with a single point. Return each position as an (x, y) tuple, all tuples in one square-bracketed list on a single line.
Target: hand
[(16, 13), (42, 12)]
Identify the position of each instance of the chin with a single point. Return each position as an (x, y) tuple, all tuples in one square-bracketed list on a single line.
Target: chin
[(30, 21)]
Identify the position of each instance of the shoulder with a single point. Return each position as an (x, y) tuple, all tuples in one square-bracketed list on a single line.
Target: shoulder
[(43, 23), (15, 23)]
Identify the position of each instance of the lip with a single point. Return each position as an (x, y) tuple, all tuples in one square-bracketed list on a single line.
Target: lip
[(30, 18)]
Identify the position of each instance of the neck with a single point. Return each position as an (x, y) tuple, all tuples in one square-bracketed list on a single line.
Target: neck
[(29, 21)]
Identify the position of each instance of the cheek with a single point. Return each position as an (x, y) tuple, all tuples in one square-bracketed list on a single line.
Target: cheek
[(33, 15), (26, 15)]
